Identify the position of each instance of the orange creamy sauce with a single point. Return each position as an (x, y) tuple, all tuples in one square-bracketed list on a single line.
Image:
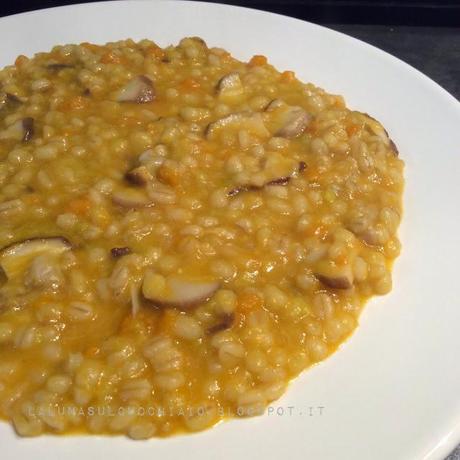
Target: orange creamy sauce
[(294, 220)]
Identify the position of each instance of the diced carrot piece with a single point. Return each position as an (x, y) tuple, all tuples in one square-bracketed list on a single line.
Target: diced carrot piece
[(126, 324), (20, 61), (91, 46), (78, 103), (92, 352), (155, 51), (257, 60), (340, 102), (80, 206), (249, 301), (144, 321), (341, 259), (110, 58), (311, 173), (189, 84), (168, 175), (288, 76), (352, 129), (100, 217), (57, 56), (31, 198), (167, 320)]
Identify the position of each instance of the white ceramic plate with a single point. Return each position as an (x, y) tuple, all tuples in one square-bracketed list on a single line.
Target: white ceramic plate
[(393, 390)]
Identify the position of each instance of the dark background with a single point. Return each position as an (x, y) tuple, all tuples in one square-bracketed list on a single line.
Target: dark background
[(395, 12)]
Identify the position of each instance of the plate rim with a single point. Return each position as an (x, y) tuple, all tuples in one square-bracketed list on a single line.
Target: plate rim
[(447, 444)]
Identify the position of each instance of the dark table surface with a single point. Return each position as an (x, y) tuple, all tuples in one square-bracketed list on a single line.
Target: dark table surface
[(435, 51)]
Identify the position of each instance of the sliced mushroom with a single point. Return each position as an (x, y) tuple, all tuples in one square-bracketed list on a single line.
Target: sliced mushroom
[(178, 291), (169, 173), (369, 235), (3, 278), (16, 256), (229, 81), (363, 226), (21, 130), (294, 121), (274, 104), (394, 148), (226, 322), (279, 181), (283, 180), (251, 122), (120, 252), (139, 90), (10, 101), (333, 276), (44, 272), (230, 86), (377, 128), (131, 198), (139, 176), (224, 122), (56, 67), (28, 129), (148, 156), (337, 282), (252, 188), (243, 188)]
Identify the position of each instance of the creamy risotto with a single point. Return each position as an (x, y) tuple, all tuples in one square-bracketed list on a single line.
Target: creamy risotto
[(182, 233)]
